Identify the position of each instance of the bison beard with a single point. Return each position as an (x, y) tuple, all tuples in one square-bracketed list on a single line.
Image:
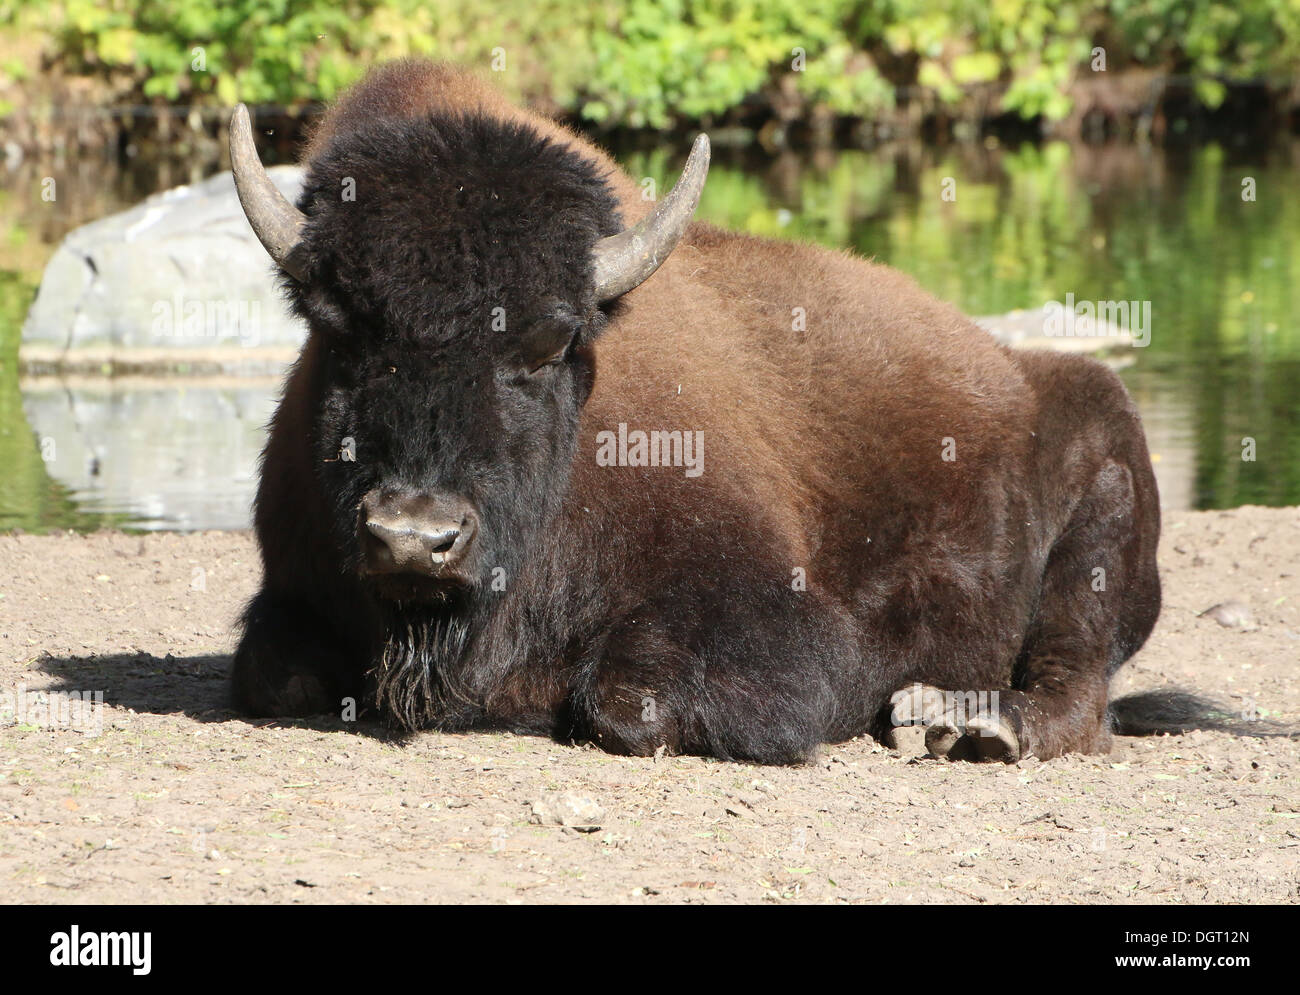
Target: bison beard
[(415, 681), (891, 501)]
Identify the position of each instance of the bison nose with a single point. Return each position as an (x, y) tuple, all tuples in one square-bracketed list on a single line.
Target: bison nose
[(416, 533)]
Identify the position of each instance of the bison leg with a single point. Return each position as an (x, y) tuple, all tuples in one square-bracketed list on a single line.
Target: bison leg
[(753, 683), (1098, 601), (291, 662)]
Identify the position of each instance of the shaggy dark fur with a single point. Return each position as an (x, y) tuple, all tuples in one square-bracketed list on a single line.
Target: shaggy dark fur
[(827, 556)]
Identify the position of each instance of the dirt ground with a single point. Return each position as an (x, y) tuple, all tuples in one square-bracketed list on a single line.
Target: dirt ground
[(177, 800)]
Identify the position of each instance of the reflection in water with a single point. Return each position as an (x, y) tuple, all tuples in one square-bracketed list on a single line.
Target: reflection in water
[(1028, 225), (162, 455)]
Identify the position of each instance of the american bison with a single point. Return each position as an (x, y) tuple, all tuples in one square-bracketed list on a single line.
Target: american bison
[(557, 459)]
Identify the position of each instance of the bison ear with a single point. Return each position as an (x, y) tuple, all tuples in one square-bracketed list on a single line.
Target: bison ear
[(626, 260)]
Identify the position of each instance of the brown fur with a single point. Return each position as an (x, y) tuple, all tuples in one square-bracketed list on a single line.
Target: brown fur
[(823, 453)]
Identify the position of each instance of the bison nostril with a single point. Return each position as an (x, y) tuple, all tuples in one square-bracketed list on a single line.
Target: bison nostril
[(441, 542)]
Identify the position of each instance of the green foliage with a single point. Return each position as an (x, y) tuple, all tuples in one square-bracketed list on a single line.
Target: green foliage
[(696, 58), (657, 63), (291, 51)]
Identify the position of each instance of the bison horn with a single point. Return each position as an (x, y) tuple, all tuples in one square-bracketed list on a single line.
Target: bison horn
[(626, 260), (276, 223)]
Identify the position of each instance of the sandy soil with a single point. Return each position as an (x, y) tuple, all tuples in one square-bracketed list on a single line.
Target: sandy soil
[(177, 800)]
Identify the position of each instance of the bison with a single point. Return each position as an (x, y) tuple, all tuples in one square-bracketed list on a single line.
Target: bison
[(557, 459)]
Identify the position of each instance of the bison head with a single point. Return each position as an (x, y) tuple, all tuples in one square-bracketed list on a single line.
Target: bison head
[(455, 273)]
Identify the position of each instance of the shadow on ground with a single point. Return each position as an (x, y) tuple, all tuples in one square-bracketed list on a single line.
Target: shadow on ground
[(194, 686)]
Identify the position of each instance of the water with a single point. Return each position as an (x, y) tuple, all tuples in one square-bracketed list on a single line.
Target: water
[(1021, 226)]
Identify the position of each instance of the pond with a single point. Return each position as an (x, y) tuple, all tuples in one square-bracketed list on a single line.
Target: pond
[(1207, 234)]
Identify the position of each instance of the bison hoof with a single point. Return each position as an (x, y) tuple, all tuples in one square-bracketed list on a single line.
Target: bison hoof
[(916, 705), (266, 689), (303, 695), (950, 732), (980, 737)]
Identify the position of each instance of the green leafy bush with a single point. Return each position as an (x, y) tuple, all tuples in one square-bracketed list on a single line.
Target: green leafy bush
[(657, 63)]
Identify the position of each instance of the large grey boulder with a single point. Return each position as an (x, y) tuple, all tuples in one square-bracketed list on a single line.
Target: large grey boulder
[(178, 281)]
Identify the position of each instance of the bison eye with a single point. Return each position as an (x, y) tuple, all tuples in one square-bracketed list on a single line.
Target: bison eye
[(549, 349), (537, 368)]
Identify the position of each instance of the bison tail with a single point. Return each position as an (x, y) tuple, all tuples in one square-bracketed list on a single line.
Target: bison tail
[(1172, 710)]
